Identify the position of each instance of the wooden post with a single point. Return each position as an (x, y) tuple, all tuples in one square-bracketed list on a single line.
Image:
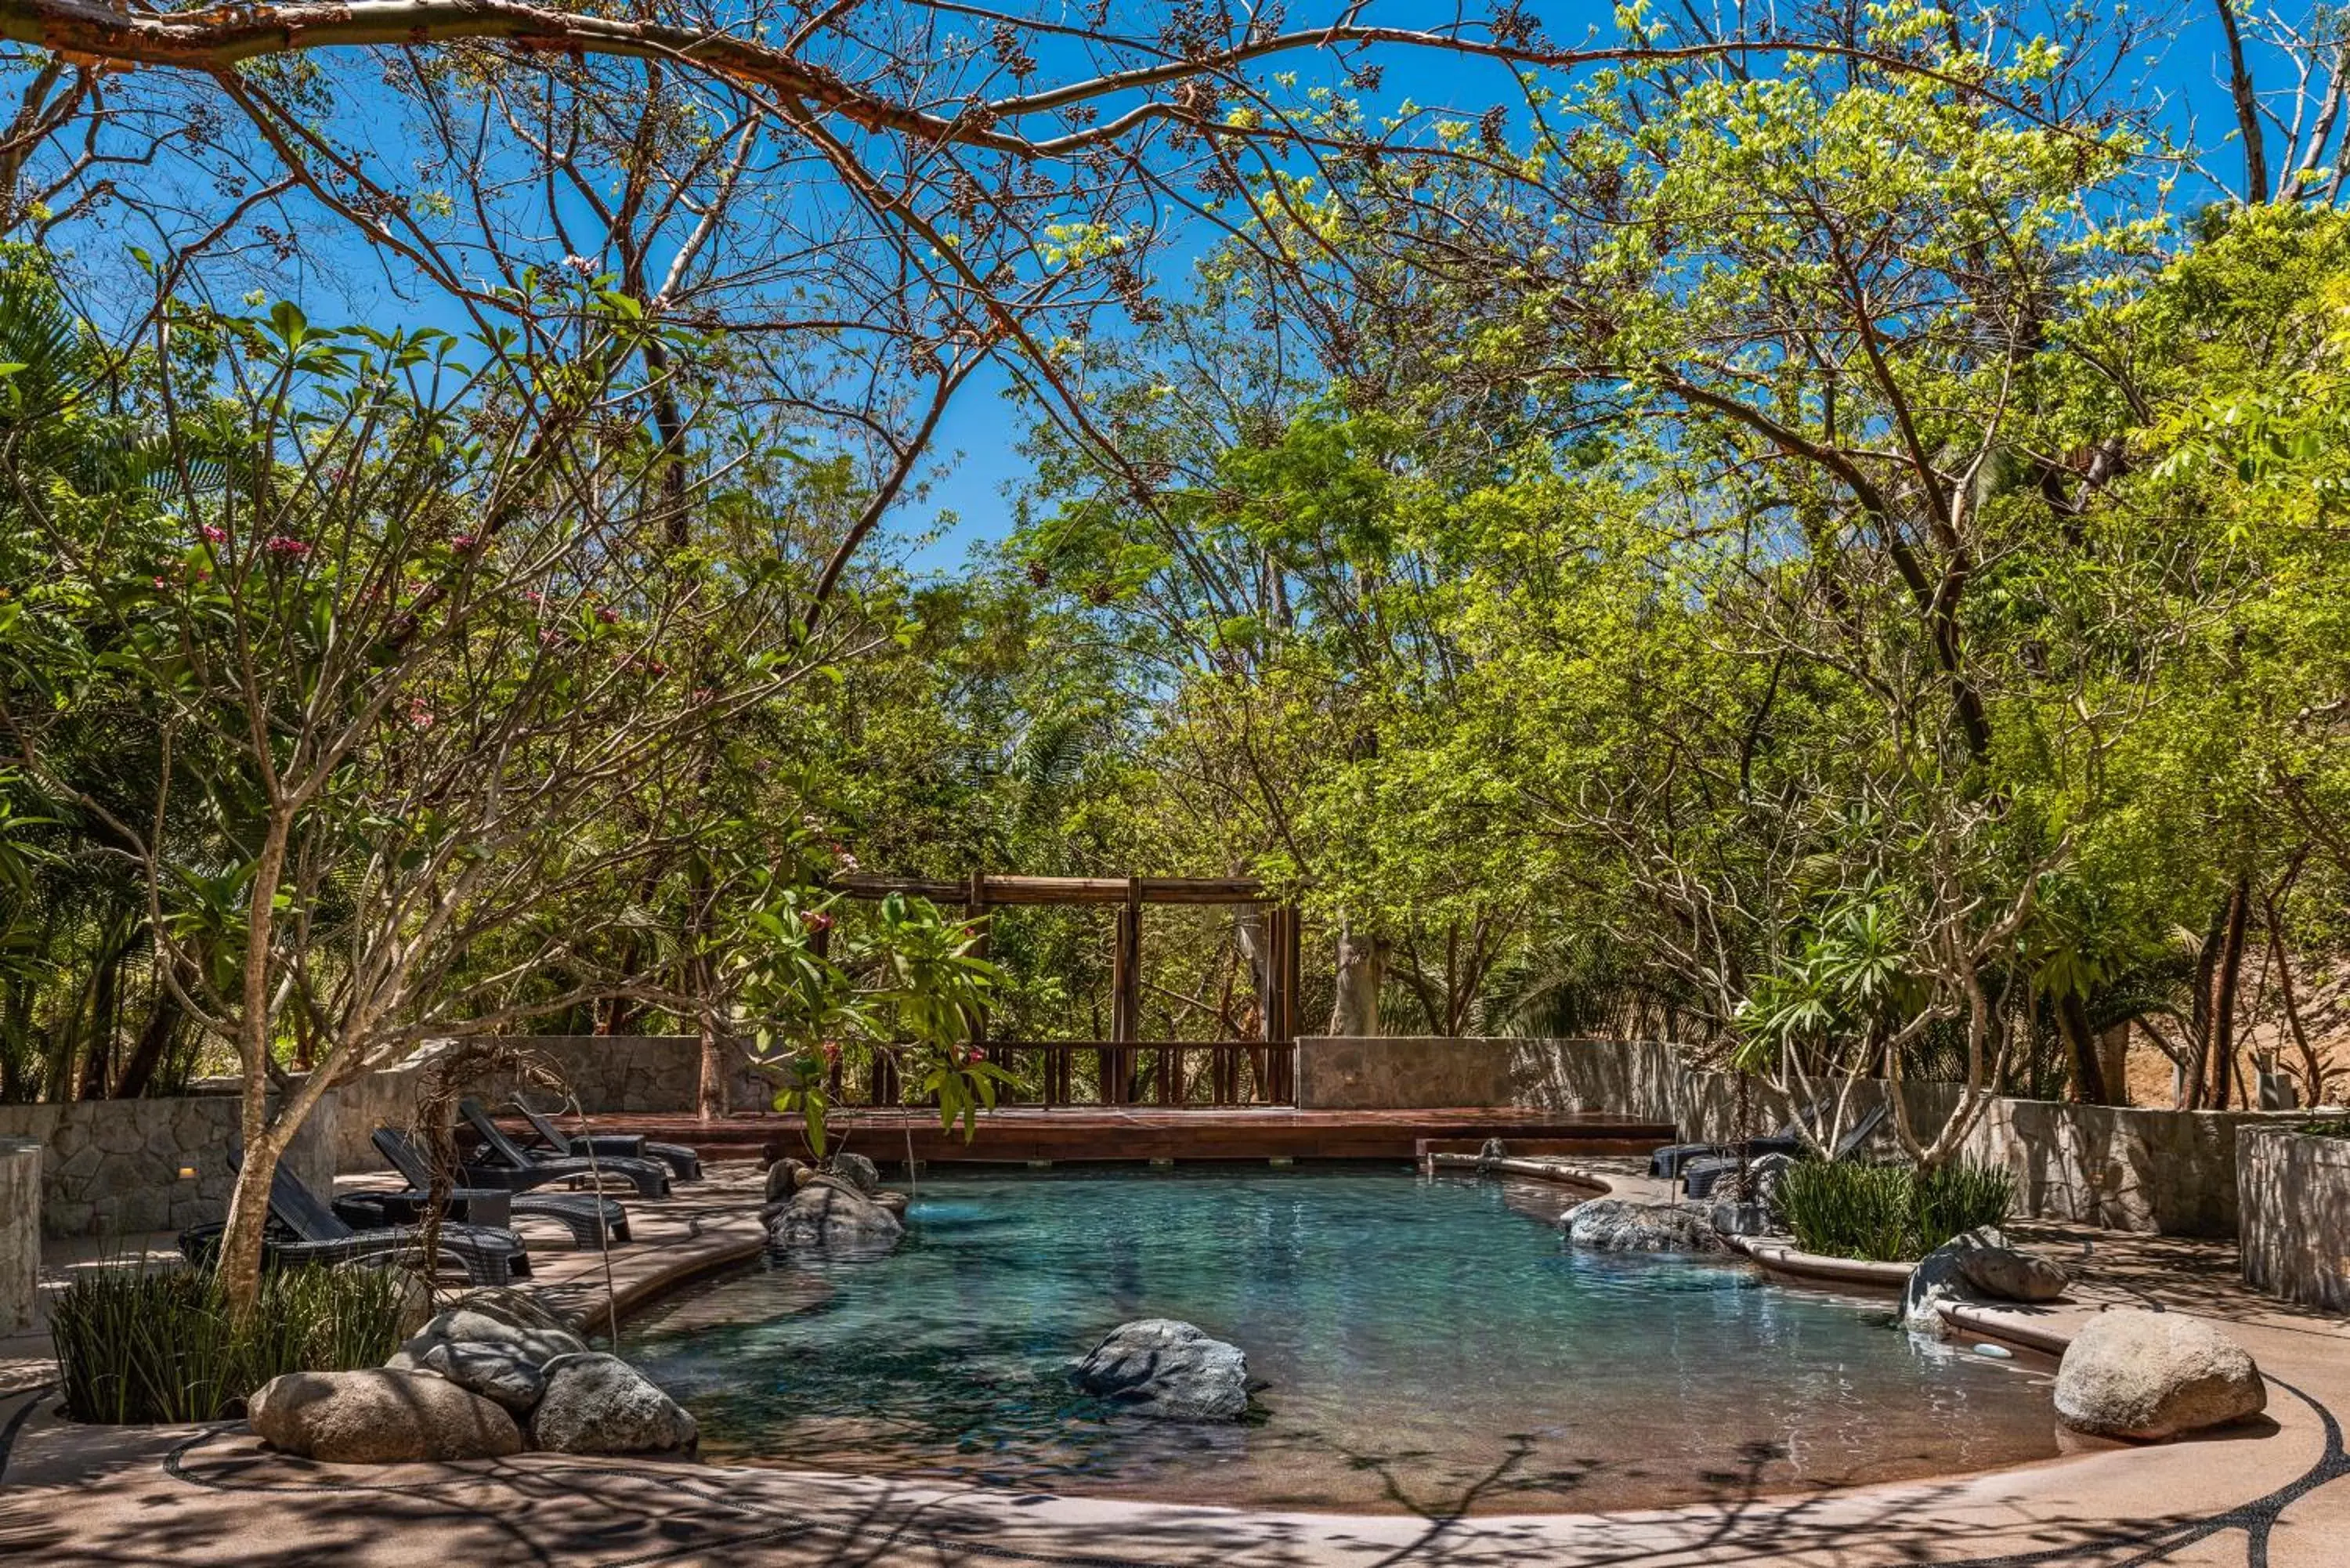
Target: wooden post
[(974, 908), (1126, 997)]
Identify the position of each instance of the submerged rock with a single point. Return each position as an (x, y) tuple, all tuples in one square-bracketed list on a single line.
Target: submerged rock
[(598, 1403), (1619, 1225), (829, 1214), (2149, 1375), (376, 1415), (1158, 1366)]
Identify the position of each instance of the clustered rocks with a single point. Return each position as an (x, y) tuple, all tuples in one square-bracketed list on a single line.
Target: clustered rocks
[(494, 1374), (841, 1208)]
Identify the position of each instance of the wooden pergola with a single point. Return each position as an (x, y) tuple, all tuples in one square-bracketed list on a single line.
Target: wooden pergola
[(981, 892)]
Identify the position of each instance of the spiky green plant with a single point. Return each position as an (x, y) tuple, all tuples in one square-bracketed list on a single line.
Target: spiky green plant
[(1890, 1214), (140, 1344)]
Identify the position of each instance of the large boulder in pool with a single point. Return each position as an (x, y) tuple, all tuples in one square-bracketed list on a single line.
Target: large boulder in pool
[(2153, 1374), (1619, 1225), (378, 1417), (1171, 1370), (598, 1403), (829, 1214)]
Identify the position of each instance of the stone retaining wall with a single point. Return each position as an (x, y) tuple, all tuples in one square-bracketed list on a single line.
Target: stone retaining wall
[(2293, 1193), (2120, 1167), (20, 1233), (115, 1168)]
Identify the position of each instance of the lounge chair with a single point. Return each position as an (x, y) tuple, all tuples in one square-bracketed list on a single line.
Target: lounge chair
[(511, 1166), (590, 1217), (302, 1230), (1789, 1139), (1699, 1176), (684, 1165)]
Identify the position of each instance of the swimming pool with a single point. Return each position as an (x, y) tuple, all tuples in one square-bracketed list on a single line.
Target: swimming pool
[(1431, 1345)]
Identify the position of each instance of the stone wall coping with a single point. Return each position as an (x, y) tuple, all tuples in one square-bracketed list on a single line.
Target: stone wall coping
[(1782, 1259)]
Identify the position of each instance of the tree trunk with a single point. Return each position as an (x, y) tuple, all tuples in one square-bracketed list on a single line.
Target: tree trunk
[(154, 1040), (2087, 1086), (710, 1094), (2229, 964), (1362, 966)]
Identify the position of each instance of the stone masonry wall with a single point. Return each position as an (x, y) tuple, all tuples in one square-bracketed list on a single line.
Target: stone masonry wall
[(2120, 1167), (20, 1233), (113, 1167), (2294, 1197)]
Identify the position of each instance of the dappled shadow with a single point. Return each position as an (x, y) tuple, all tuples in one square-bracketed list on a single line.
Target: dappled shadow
[(219, 1497)]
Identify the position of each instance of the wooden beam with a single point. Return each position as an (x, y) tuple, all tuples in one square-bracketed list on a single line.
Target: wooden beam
[(992, 890)]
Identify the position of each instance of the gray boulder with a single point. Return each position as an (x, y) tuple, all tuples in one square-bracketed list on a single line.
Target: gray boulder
[(1941, 1276), (858, 1171), (783, 1178), (466, 1326), (598, 1403), (828, 1214), (1170, 1370), (376, 1417), (515, 1305), (498, 1372), (2154, 1375), (1619, 1225), (2005, 1274), (895, 1203)]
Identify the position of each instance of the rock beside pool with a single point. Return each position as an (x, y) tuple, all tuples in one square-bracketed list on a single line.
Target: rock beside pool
[(783, 1178), (1619, 1225), (2153, 1374), (495, 1372), (2005, 1274), (376, 1417), (858, 1171), (895, 1203), (1171, 1370), (516, 1304), (1941, 1276), (598, 1403), (829, 1214), (467, 1325)]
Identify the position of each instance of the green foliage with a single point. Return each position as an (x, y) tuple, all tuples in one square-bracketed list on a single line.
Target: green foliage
[(1890, 1214), (137, 1346)]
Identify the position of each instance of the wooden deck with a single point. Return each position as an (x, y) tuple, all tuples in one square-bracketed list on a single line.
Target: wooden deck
[(1097, 1135)]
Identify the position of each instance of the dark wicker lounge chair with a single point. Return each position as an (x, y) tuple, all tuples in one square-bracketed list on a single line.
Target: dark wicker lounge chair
[(1698, 1176), (684, 1165), (303, 1229), (1788, 1139), (590, 1217), (507, 1164)]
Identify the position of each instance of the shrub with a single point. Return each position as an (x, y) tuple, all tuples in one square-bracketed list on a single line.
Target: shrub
[(1840, 1209), (1954, 1199), (1890, 1214), (140, 1346)]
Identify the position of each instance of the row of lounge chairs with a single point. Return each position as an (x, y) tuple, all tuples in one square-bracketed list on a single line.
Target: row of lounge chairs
[(496, 1182), (1700, 1167)]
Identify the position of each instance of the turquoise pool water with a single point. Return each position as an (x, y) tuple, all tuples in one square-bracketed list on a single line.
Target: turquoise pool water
[(1431, 1345)]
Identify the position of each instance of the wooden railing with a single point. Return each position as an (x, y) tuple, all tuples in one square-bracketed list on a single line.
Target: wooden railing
[(1170, 1074)]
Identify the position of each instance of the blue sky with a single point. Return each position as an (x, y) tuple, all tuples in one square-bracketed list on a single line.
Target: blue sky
[(978, 440)]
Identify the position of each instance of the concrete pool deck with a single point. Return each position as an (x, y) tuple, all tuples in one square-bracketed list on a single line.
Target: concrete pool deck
[(2274, 1495)]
